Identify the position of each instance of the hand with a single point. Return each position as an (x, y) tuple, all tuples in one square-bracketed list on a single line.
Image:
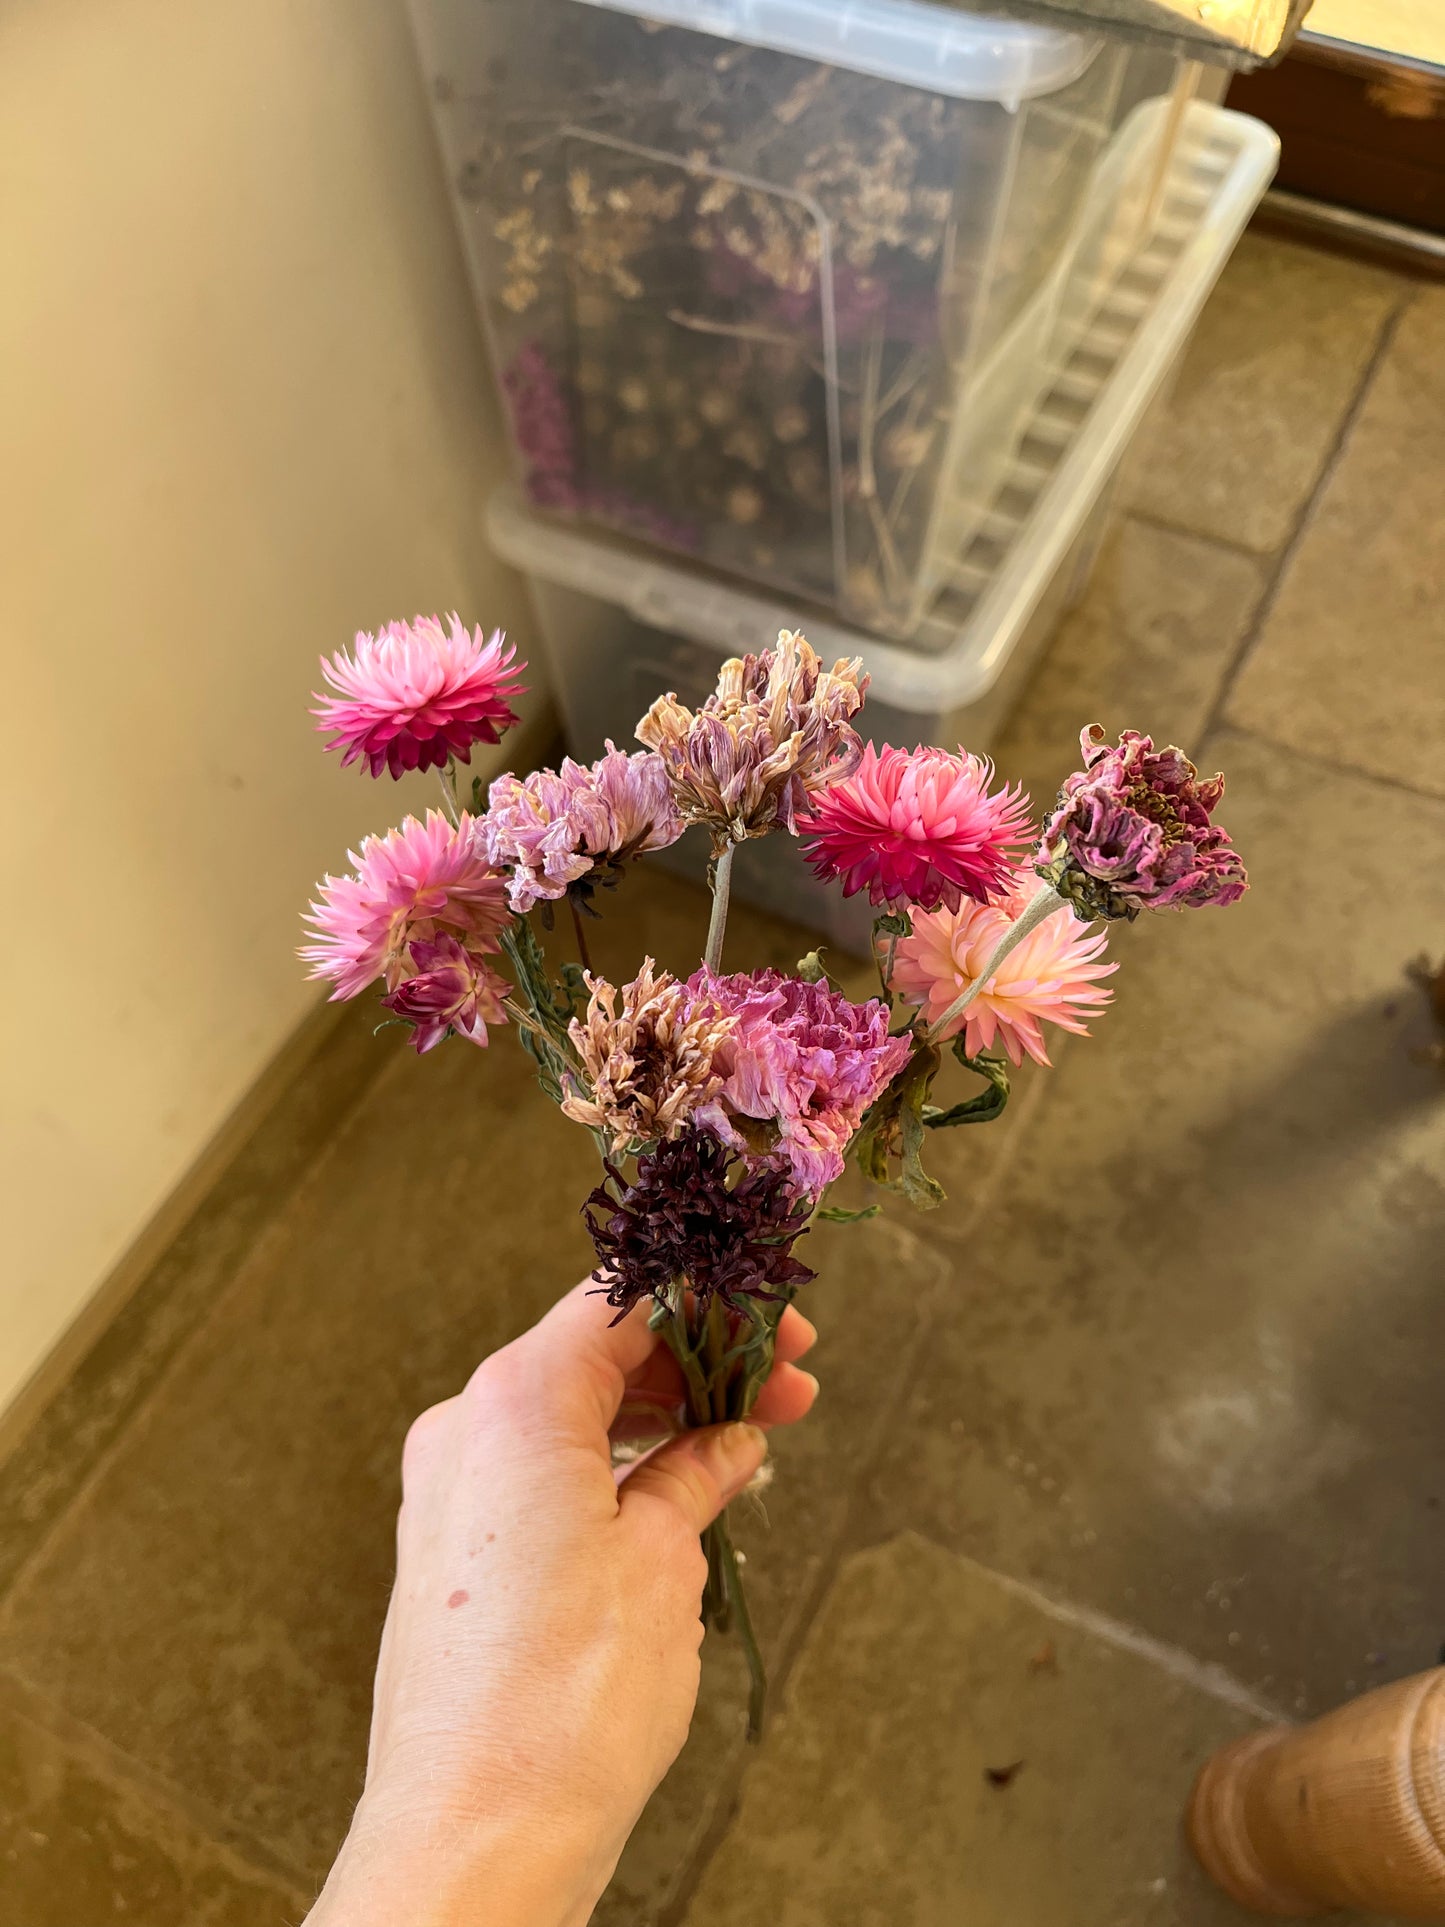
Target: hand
[(539, 1662)]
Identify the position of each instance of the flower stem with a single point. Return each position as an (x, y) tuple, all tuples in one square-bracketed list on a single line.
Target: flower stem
[(727, 1559), (1035, 910), (581, 932), (720, 876)]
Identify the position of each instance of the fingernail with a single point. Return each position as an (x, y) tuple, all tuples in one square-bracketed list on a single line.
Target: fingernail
[(736, 1452), (811, 1380)]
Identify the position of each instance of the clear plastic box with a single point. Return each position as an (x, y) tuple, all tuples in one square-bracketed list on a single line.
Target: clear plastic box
[(776, 283), (621, 625)]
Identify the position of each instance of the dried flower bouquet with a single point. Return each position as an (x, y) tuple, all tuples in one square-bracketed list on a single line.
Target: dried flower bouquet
[(724, 1106)]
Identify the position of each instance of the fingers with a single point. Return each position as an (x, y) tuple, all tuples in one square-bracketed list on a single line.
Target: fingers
[(787, 1396), (696, 1475), (796, 1335), (584, 1360)]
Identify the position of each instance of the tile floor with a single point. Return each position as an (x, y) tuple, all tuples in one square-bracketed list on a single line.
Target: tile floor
[(1157, 1397)]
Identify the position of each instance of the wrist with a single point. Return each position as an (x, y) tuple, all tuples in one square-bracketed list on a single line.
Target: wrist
[(461, 1870)]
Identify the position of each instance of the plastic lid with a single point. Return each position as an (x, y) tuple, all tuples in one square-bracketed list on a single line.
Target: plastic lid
[(970, 56)]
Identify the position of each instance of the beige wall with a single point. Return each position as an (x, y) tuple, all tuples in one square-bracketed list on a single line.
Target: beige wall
[(242, 415)]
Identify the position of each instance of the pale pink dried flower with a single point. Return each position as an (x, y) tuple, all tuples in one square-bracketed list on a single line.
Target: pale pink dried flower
[(775, 730), (647, 1057), (1051, 976), (414, 695), (419, 881), (800, 1057), (553, 827)]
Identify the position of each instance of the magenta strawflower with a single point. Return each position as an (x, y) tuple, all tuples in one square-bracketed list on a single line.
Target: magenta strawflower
[(1050, 976), (454, 989), (421, 881), (801, 1057), (415, 695), (554, 827), (1132, 832), (917, 827)]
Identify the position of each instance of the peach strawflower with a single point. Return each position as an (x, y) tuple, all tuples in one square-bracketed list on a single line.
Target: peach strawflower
[(414, 695), (422, 880), (1050, 977), (918, 827)]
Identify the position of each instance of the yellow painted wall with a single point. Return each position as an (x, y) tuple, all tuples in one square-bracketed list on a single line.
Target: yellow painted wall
[(242, 414)]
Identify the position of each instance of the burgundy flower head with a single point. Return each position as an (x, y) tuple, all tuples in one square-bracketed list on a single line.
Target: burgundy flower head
[(679, 1220), (1132, 831)]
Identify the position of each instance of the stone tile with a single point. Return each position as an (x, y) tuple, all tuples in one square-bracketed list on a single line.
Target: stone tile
[(1264, 387), (1191, 1373), (49, 1463), (79, 1848), (1349, 665), (212, 1605), (871, 1806), (1148, 648)]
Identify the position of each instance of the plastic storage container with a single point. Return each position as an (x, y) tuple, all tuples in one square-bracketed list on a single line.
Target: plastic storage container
[(776, 283), (621, 625)]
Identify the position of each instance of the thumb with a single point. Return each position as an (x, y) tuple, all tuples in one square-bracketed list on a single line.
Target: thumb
[(698, 1473)]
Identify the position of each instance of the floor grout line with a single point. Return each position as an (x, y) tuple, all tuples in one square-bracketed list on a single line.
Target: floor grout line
[(120, 1769), (1151, 519), (1334, 764), (1285, 555), (1206, 1676)]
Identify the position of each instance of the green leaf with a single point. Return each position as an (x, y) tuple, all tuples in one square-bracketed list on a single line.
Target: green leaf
[(898, 923), (985, 1105), (922, 1192), (840, 1214)]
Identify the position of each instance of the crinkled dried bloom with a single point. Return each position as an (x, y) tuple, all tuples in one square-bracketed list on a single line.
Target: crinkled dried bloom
[(801, 1057), (647, 1056), (422, 880), (918, 827), (1132, 832), (454, 989), (1051, 976), (681, 1219), (775, 730), (416, 694), (555, 826)]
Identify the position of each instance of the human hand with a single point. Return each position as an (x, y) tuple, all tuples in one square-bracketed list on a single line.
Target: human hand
[(539, 1662)]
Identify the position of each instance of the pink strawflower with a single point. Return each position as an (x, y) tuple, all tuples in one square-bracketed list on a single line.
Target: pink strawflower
[(800, 1057), (918, 827), (1050, 977), (414, 695), (1132, 832), (455, 989), (421, 881), (552, 828)]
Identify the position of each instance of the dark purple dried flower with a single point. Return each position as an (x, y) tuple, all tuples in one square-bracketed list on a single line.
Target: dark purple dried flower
[(1132, 832), (679, 1220)]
